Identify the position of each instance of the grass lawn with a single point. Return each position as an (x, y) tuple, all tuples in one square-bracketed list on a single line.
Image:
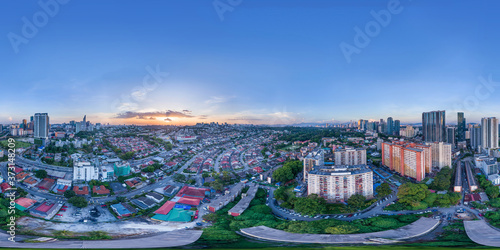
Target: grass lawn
[(291, 148), (19, 144)]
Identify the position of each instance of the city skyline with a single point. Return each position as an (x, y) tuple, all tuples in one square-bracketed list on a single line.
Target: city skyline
[(182, 64), (354, 123)]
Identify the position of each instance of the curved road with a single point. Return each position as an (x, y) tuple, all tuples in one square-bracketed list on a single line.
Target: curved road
[(168, 239), (420, 227), (482, 233)]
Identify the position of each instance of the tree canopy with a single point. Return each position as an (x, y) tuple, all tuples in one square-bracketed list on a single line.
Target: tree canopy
[(383, 190), (41, 174)]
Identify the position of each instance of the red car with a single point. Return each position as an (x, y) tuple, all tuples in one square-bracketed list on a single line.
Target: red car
[(58, 214), (480, 214), (196, 216), (103, 205), (65, 206), (350, 215), (62, 209), (196, 212)]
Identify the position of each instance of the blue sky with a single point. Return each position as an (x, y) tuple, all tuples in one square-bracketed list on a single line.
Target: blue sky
[(265, 62)]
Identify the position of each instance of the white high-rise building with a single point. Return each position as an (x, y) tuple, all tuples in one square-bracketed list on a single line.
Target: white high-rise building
[(338, 183), (350, 157), (489, 126), (41, 128), (316, 158), (441, 154), (85, 171)]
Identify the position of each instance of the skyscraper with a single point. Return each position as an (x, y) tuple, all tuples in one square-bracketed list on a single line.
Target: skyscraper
[(489, 127), (460, 126), (475, 137), (450, 136), (397, 127), (390, 126), (433, 126), (41, 128)]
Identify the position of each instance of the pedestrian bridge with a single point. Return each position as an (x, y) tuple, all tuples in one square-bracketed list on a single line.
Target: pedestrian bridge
[(420, 227), (482, 233)]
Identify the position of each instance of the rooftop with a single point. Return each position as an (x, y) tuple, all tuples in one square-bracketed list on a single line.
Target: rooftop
[(340, 170)]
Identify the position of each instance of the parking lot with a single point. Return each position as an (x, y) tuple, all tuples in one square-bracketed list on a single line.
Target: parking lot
[(73, 214)]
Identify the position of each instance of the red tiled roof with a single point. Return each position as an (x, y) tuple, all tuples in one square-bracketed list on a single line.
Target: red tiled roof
[(30, 180), (191, 191), (4, 186), (44, 207), (83, 191), (46, 184), (165, 209), (21, 175), (100, 190), (25, 202), (189, 201)]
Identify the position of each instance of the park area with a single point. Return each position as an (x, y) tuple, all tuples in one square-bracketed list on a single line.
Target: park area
[(18, 144), (258, 214)]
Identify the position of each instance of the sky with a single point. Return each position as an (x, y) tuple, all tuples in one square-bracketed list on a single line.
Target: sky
[(248, 61)]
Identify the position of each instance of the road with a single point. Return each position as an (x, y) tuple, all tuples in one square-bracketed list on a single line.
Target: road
[(19, 160), (368, 212), (242, 154), (217, 162), (167, 239)]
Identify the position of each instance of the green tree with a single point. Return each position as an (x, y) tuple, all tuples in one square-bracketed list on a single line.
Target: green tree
[(442, 181), (383, 190), (281, 194), (412, 194), (78, 201), (341, 229), (283, 174), (69, 194), (217, 185), (179, 178), (495, 202), (310, 205), (225, 176), (356, 200), (121, 199), (492, 192), (41, 174)]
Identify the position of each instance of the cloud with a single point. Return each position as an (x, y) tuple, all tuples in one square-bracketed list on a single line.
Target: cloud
[(218, 99), (178, 114), (153, 115), (245, 118), (167, 119)]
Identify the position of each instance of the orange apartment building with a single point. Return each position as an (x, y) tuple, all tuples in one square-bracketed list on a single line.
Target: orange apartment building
[(409, 159)]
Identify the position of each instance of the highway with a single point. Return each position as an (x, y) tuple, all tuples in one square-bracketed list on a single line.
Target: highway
[(19, 160)]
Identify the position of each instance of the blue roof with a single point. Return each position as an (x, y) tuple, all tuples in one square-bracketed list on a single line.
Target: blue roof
[(120, 209)]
